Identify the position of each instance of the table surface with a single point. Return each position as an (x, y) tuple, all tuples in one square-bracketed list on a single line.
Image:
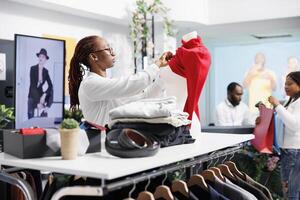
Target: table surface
[(104, 166)]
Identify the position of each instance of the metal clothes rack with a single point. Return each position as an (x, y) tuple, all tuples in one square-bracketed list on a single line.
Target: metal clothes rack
[(20, 183), (109, 187)]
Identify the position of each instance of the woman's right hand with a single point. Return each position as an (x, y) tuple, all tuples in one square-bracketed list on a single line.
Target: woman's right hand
[(163, 60)]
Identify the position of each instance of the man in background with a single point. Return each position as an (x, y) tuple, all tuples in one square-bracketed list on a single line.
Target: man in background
[(233, 112)]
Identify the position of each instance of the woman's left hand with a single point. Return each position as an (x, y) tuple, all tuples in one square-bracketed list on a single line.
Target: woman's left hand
[(273, 101)]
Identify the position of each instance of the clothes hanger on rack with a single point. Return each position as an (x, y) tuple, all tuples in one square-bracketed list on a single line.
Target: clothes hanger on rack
[(146, 195), (163, 191), (130, 192), (197, 180), (232, 166), (217, 171), (209, 174), (180, 186), (225, 169)]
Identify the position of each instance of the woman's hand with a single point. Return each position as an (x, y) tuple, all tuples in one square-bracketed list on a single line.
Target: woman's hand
[(163, 60), (257, 120), (273, 101)]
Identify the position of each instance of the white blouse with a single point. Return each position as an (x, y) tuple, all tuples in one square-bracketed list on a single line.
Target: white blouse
[(98, 95), (291, 120)]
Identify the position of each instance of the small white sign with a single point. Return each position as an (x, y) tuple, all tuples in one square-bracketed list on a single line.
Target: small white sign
[(2, 67)]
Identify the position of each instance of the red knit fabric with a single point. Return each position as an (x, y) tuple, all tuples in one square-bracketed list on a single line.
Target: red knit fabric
[(192, 61)]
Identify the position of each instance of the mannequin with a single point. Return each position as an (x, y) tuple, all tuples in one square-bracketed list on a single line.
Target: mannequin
[(192, 61), (260, 82), (189, 36), (293, 65), (187, 62)]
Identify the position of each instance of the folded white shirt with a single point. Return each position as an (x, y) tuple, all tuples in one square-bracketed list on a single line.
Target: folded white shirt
[(145, 108)]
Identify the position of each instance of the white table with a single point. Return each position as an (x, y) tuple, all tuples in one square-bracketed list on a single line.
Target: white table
[(106, 167)]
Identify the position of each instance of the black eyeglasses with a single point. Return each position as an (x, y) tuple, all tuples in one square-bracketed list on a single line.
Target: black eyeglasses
[(109, 49)]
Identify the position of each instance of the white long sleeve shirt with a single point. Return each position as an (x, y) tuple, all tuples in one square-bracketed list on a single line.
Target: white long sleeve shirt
[(229, 115), (98, 95), (291, 120)]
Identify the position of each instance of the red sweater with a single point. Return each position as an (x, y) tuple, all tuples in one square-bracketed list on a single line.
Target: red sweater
[(192, 61)]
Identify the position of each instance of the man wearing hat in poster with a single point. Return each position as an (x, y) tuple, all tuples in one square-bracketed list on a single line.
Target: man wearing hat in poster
[(40, 95)]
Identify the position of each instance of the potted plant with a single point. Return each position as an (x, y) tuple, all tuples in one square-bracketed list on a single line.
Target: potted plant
[(69, 137), (6, 117)]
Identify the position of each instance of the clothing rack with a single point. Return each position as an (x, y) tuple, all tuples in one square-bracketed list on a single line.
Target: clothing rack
[(106, 188), (21, 184)]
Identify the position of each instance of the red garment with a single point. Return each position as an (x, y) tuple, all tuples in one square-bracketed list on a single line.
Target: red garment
[(192, 61)]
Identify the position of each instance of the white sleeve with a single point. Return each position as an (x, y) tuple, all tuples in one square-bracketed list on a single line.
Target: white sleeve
[(291, 120), (98, 89), (220, 119), (154, 90), (247, 119)]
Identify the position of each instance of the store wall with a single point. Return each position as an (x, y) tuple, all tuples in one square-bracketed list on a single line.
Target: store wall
[(28, 20), (23, 19)]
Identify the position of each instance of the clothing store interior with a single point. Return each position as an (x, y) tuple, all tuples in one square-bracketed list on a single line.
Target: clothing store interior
[(150, 100)]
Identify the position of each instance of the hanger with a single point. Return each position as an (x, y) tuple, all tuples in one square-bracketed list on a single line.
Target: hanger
[(217, 171), (198, 180), (209, 175), (130, 192), (225, 169), (233, 168), (180, 186), (163, 191), (146, 195)]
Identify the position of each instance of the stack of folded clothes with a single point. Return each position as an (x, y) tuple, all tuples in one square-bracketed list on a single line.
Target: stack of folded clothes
[(158, 119)]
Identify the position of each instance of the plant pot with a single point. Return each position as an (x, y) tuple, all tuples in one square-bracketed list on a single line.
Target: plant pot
[(69, 143)]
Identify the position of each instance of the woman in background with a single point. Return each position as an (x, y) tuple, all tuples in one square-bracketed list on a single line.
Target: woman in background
[(290, 116)]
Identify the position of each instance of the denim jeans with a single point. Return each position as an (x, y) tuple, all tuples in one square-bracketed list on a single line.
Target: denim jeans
[(290, 171)]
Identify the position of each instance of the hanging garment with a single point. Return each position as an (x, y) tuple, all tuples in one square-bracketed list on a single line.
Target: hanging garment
[(230, 191), (32, 177), (211, 194), (165, 134), (253, 190), (192, 61), (259, 186), (244, 192)]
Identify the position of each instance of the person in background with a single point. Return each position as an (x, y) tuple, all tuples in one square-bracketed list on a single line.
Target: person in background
[(97, 94), (233, 112), (260, 81), (289, 113), (38, 97)]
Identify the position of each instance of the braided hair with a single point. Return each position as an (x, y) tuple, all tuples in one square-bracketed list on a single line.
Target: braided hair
[(80, 58), (295, 76)]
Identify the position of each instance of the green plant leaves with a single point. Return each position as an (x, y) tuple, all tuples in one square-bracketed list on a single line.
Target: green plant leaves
[(6, 115), (69, 123)]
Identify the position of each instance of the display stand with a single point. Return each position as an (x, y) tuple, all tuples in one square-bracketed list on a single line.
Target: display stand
[(107, 168)]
